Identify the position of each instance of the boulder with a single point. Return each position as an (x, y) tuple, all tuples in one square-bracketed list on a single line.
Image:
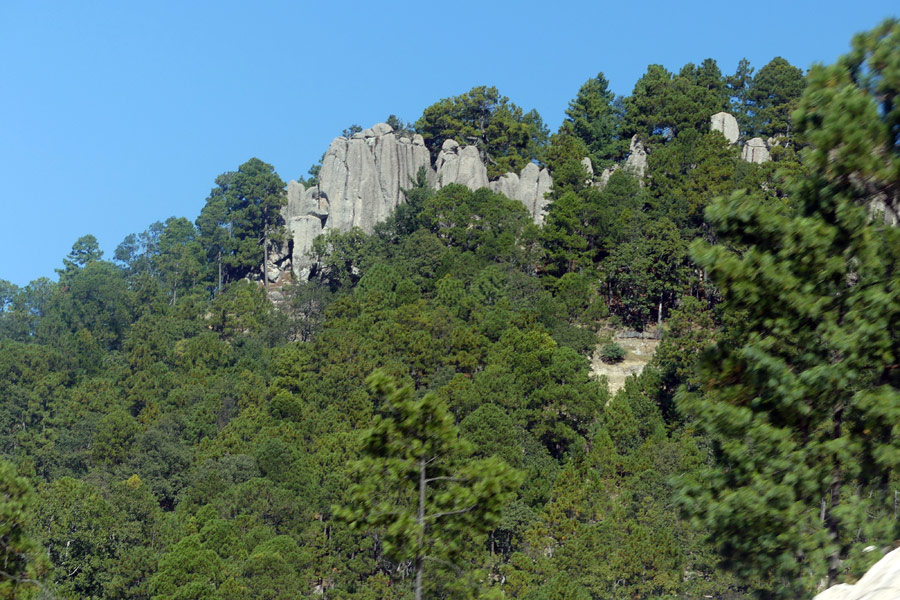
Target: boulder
[(881, 582), (727, 124), (755, 151)]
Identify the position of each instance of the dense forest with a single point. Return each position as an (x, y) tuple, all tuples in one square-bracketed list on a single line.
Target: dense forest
[(419, 418)]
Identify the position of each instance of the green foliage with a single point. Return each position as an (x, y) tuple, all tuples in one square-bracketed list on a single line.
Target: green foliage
[(506, 136), (241, 217), (85, 250), (663, 105), (612, 353), (802, 401), (593, 119), (21, 563), (413, 453), (773, 96)]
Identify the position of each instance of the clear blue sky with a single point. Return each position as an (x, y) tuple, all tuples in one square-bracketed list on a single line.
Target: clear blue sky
[(119, 114)]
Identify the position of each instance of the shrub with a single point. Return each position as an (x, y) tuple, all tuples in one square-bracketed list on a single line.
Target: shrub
[(612, 353)]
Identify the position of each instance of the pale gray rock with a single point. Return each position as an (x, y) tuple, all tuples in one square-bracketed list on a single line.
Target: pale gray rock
[(605, 174), (755, 151), (460, 164), (361, 181), (727, 124), (508, 185), (881, 582), (382, 129), (636, 163), (529, 187), (303, 230), (586, 163)]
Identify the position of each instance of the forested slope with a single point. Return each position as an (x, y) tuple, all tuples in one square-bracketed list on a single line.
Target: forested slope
[(418, 418)]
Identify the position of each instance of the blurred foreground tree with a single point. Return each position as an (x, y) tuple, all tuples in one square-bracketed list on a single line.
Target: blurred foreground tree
[(802, 402)]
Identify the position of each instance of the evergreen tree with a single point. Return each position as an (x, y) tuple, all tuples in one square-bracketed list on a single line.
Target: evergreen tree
[(506, 136), (593, 119), (21, 562), (802, 399), (773, 95), (413, 453)]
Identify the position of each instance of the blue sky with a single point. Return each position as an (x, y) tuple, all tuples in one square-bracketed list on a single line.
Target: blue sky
[(114, 115)]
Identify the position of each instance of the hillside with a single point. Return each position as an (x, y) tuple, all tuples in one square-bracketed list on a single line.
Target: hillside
[(386, 380)]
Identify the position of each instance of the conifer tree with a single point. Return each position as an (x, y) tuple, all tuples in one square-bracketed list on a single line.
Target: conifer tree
[(412, 453), (802, 400)]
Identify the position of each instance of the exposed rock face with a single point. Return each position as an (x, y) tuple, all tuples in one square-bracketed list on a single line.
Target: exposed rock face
[(361, 178), (605, 175), (460, 164), (528, 187), (588, 166), (882, 582), (636, 163), (360, 184), (727, 124), (756, 151)]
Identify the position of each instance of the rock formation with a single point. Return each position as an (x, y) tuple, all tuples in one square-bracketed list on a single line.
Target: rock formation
[(727, 124), (528, 187), (882, 582), (756, 151), (361, 182), (362, 178), (636, 163), (460, 164)]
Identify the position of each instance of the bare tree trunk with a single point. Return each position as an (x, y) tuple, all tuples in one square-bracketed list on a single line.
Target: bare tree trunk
[(420, 519), (265, 257), (219, 288), (659, 319), (834, 561)]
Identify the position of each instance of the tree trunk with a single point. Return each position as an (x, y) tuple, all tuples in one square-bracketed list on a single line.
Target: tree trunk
[(659, 320), (265, 257), (420, 519), (219, 258), (834, 561)]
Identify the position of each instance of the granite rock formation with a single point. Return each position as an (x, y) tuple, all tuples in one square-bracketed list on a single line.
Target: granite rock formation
[(528, 187), (460, 164), (361, 182)]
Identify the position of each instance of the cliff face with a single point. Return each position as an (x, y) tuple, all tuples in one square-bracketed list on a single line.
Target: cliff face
[(361, 183), (362, 180)]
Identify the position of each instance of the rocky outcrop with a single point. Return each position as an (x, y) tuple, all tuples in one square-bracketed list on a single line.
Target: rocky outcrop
[(460, 164), (636, 163), (361, 182), (361, 178), (727, 124), (528, 187), (756, 151), (882, 582)]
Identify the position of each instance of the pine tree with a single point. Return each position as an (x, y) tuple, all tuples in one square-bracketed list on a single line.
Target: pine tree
[(802, 403), (413, 453)]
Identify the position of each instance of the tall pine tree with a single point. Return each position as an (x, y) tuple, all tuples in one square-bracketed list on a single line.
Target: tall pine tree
[(802, 395)]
